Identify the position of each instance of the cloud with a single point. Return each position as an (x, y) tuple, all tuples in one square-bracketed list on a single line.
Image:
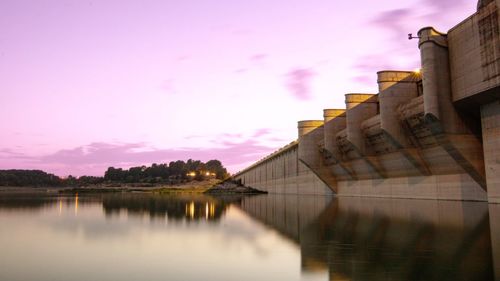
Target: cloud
[(234, 150), (229, 135), (364, 80), (394, 21), (444, 5), (183, 58), (240, 70), (238, 136), (275, 139), (93, 159), (10, 154), (193, 137), (405, 20), (298, 82), (372, 63), (261, 132), (366, 67), (168, 86), (99, 153), (258, 57), (398, 23)]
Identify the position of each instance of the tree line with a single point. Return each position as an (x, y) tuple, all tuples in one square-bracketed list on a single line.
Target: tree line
[(33, 178), (165, 173), (171, 173)]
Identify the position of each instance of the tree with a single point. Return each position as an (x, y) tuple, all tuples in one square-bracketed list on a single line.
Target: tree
[(32, 178), (216, 167)]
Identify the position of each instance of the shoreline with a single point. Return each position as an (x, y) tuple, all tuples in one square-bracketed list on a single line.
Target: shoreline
[(212, 187), (191, 186)]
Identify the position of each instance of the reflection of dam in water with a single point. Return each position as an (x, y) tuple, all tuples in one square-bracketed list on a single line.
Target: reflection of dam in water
[(385, 239), (350, 238)]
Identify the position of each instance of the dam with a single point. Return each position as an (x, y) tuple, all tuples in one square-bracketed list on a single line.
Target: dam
[(427, 134)]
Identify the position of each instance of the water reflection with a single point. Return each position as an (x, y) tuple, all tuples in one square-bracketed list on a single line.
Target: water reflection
[(314, 237), (178, 207), (25, 201), (35, 201), (375, 239), (494, 212), (172, 207), (146, 237)]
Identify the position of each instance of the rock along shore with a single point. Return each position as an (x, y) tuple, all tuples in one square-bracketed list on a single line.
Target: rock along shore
[(232, 187)]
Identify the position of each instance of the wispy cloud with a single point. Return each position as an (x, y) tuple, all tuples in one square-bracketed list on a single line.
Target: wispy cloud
[(372, 62), (190, 137), (366, 67), (232, 136), (139, 153), (10, 154), (229, 135), (94, 158), (183, 58), (364, 80), (261, 132), (398, 23), (299, 82), (401, 21), (444, 5), (240, 70), (168, 86), (258, 57), (394, 20)]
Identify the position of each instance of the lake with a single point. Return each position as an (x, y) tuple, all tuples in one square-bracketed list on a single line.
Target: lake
[(127, 236)]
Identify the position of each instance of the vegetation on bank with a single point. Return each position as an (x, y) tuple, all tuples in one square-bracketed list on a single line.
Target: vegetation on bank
[(193, 186), (173, 173), (213, 187)]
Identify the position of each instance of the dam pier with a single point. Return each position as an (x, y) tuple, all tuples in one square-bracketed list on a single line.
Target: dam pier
[(428, 134)]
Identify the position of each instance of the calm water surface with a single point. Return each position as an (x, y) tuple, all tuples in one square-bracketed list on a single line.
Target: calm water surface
[(268, 237)]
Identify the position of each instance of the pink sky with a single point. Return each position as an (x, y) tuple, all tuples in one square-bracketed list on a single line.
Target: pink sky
[(89, 84)]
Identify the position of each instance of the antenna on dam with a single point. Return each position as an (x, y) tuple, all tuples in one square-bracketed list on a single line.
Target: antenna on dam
[(410, 36)]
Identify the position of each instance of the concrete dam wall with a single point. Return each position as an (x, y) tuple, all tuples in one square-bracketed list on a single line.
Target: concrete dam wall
[(283, 173), (428, 134)]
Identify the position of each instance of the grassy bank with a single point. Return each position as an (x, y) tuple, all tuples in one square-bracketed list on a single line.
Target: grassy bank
[(190, 187)]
